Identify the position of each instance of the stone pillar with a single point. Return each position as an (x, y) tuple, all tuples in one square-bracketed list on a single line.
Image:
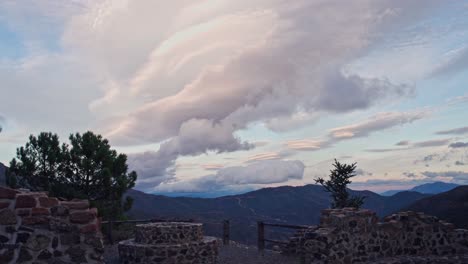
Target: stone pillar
[(165, 243), (35, 228)]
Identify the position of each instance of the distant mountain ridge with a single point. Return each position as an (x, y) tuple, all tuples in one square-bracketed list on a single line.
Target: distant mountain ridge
[(428, 188), (451, 206), (285, 204)]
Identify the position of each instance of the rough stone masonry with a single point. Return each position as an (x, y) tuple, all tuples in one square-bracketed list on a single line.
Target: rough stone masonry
[(356, 236), (35, 228), (169, 243)]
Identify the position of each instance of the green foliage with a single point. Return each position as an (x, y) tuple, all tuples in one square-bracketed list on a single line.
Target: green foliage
[(10, 179), (87, 168), (40, 163), (337, 185)]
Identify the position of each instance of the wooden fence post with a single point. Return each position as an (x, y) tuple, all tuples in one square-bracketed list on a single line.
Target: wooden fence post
[(111, 241), (226, 232), (261, 236)]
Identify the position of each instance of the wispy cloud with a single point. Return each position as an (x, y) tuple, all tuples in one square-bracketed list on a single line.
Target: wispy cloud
[(378, 122), (305, 144), (454, 131), (459, 145)]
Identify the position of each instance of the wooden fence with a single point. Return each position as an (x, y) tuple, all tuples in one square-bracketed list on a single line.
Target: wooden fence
[(261, 233), (226, 236)]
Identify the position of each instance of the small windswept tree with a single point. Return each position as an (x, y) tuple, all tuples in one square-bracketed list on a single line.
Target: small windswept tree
[(340, 177)]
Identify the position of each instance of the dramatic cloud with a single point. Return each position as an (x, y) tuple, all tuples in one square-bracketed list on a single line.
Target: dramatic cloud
[(455, 131), (459, 145), (152, 167), (262, 172), (192, 76), (257, 83)]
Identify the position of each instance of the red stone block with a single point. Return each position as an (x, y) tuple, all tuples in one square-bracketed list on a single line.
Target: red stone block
[(40, 211), (4, 205), (23, 212), (94, 211), (25, 201), (48, 202), (91, 228), (35, 220), (7, 193), (76, 205), (81, 217)]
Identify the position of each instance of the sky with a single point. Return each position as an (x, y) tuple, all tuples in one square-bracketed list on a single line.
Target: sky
[(221, 96)]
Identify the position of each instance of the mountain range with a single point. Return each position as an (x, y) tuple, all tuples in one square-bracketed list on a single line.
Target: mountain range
[(428, 188), (292, 205), (451, 206)]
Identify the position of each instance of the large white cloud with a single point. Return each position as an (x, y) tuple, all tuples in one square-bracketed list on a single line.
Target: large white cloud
[(261, 172), (191, 74)]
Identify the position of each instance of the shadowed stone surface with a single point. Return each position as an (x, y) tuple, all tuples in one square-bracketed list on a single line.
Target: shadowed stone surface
[(35, 228), (355, 236), (169, 243)]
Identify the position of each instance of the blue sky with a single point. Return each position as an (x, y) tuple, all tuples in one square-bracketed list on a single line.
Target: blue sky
[(223, 96)]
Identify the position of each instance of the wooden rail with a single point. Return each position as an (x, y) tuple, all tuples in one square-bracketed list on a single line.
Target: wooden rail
[(261, 233)]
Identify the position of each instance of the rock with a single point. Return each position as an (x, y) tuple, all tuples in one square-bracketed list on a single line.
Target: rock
[(7, 256), (35, 220), (22, 237), (23, 212), (45, 254), (7, 193), (24, 255), (25, 201), (10, 229), (90, 228), (59, 225), (40, 211), (59, 210), (81, 217), (54, 242), (4, 239), (76, 205), (70, 238), (77, 254), (4, 204), (7, 217), (48, 202), (38, 242)]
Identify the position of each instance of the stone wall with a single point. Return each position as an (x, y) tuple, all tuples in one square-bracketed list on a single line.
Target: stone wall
[(352, 236), (169, 243), (35, 228)]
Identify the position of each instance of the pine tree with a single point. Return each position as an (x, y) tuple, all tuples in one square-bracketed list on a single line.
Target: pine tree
[(87, 169), (340, 177)]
